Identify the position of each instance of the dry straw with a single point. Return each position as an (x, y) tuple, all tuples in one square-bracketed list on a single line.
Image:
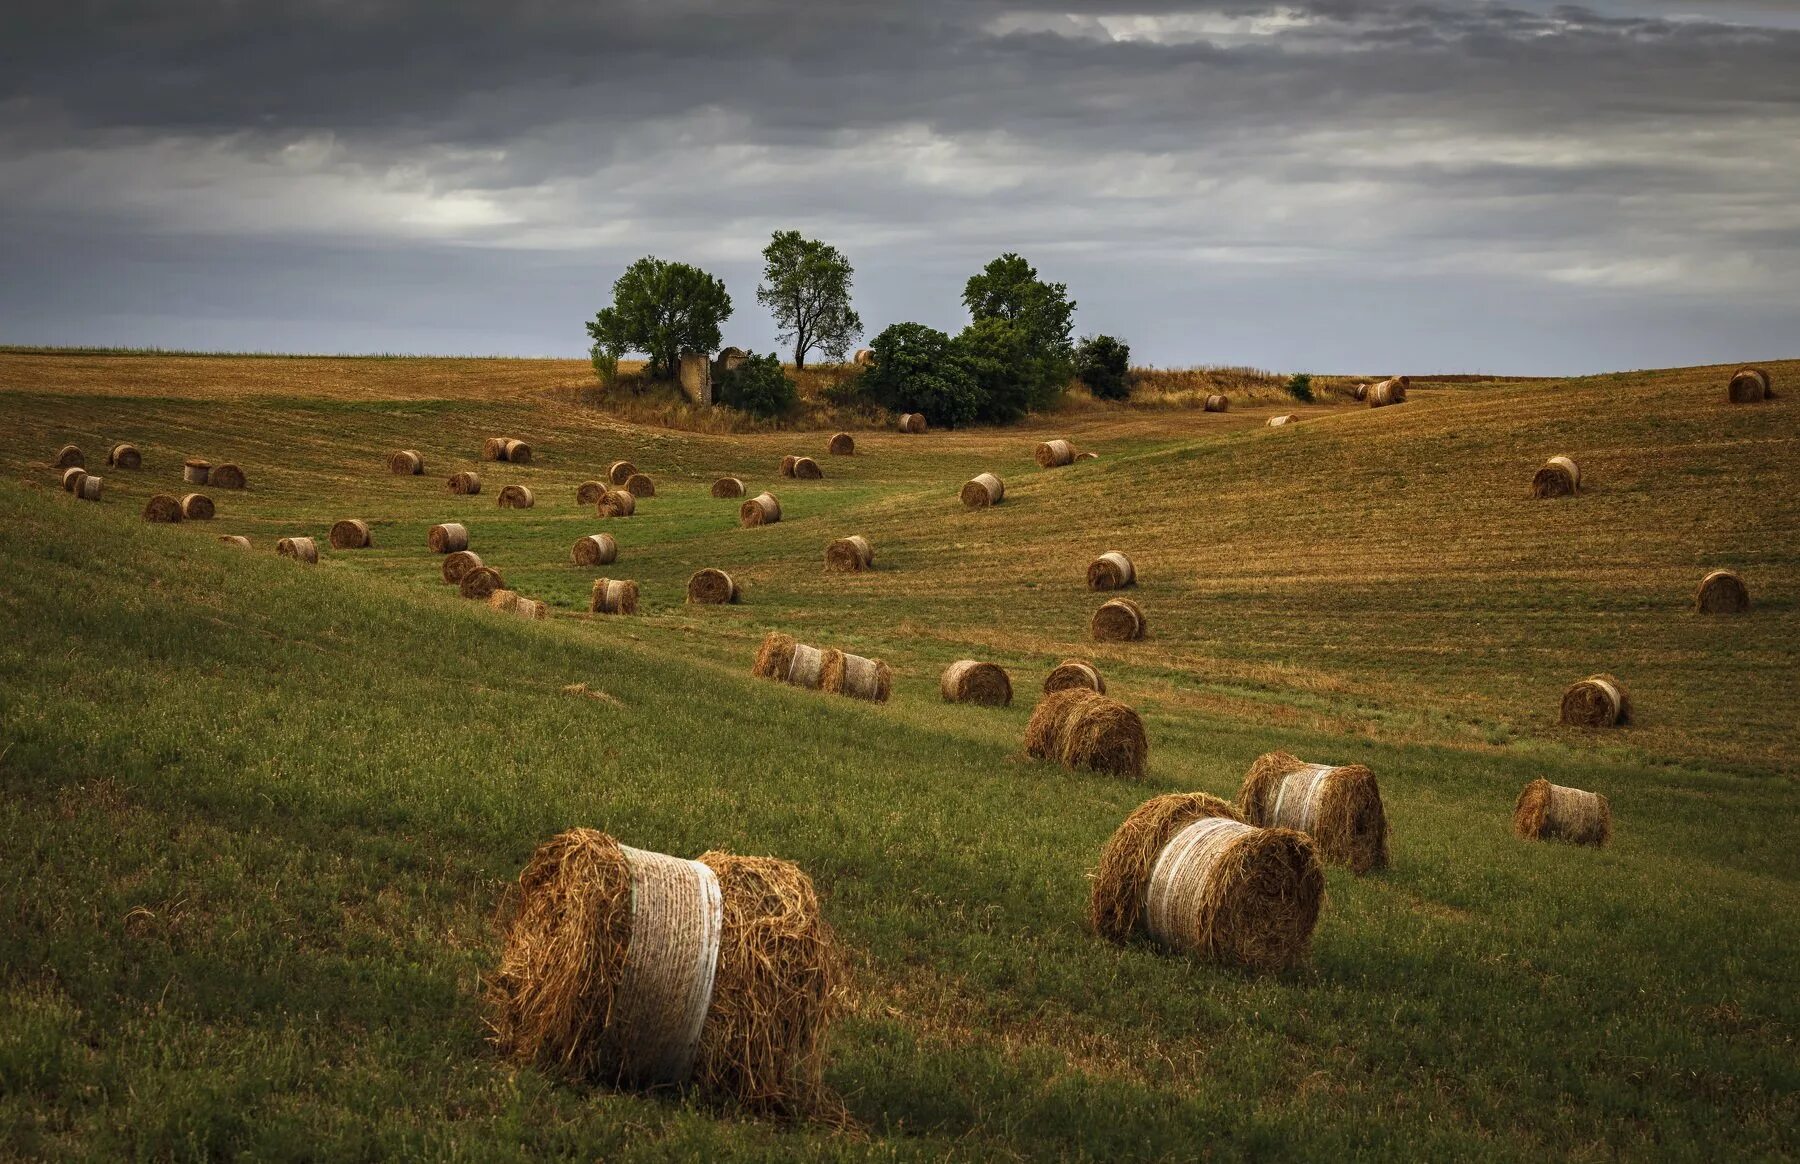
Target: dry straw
[(1054, 454), (493, 449), (406, 463), (775, 657), (1550, 812), (195, 471), (1560, 477), (299, 549), (465, 484), (90, 487), (972, 681), (864, 358), (1392, 391), (1722, 592), (912, 422), (616, 503), (480, 582), (763, 509), (162, 507), (196, 507), (512, 602), (728, 487), (517, 452), (842, 445), (227, 476), (448, 537), (351, 534), (983, 490), (620, 472), (1184, 872), (236, 541), (125, 456), (1338, 807), (807, 469), (1119, 620), (855, 676), (71, 479), (1074, 675), (614, 596), (822, 668), (638, 485), (1078, 728), (589, 493), (1218, 402), (710, 587), (849, 555), (787, 465), (1361, 393), (1597, 701), (1748, 386), (599, 549), (69, 457), (1111, 571), (516, 497), (459, 565), (1278, 421)]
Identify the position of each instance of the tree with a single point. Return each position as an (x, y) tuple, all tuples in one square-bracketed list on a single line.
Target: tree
[(758, 386), (1019, 339), (1008, 372), (1008, 288), (1103, 363), (806, 286), (1299, 386), (920, 369), (662, 309)]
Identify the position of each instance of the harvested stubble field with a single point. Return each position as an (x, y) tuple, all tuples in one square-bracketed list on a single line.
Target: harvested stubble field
[(258, 815)]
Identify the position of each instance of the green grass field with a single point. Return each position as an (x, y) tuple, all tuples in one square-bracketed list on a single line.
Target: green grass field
[(258, 816)]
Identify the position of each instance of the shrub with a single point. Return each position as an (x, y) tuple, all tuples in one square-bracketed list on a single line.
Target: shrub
[(758, 386), (1012, 376), (1299, 386), (920, 369), (1103, 363), (606, 364)]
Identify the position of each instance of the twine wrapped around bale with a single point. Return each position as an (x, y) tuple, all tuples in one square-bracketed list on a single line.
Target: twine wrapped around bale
[(493, 449), (595, 550), (912, 422), (1278, 421), (125, 456), (1119, 620), (616, 503), (845, 674), (227, 476), (1054, 454), (195, 471), (1338, 807), (406, 463), (90, 487), (634, 969), (448, 537), (850, 555), (807, 469), (516, 497), (589, 493), (1749, 386), (1218, 402), (69, 457), (822, 668), (1078, 728), (1722, 592), (1560, 477), (351, 534), (459, 565), (517, 452), (973, 681), (983, 490), (236, 541), (71, 478), (711, 587), (864, 358), (614, 596), (1184, 872), (162, 507), (1597, 701), (299, 549), (1550, 812), (842, 445), (620, 472), (480, 582), (639, 485), (196, 507), (1392, 391), (465, 484), (1111, 571), (728, 487), (763, 509), (1074, 675)]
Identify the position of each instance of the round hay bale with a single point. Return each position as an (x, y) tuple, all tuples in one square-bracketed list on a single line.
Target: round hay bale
[(710, 587), (842, 673), (850, 555), (1361, 393), (620, 472), (162, 507), (589, 493), (227, 476), (807, 469), (465, 484), (236, 541), (299, 549), (1218, 402), (614, 596), (1074, 674), (1550, 812), (864, 358), (350, 534), (1054, 454), (69, 457), (448, 537), (480, 582), (1278, 421), (1722, 592), (125, 456), (842, 445), (972, 681), (504, 600), (516, 497), (532, 608), (616, 503), (983, 490), (787, 465), (1338, 807), (1392, 391), (1119, 620), (406, 463), (458, 565), (196, 507), (1185, 873), (1111, 571), (912, 422), (595, 550), (728, 487), (71, 479), (774, 657), (634, 969), (1078, 728), (517, 452), (493, 449), (1748, 386), (90, 487), (806, 666), (194, 471), (638, 485), (763, 509), (1560, 477), (1597, 701), (512, 602)]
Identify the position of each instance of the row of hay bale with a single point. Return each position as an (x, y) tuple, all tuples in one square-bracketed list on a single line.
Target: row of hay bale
[(509, 449), (127, 456)]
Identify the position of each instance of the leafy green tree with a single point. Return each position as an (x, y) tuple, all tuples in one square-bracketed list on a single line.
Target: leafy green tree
[(662, 309), (1019, 338), (1299, 386), (758, 386), (1103, 363), (1008, 371), (806, 287), (606, 364), (920, 369), (1008, 288)]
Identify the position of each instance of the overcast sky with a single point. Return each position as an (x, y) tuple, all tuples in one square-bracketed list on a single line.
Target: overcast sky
[(1332, 185)]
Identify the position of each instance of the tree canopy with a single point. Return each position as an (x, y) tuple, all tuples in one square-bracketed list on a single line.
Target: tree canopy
[(662, 309), (806, 287)]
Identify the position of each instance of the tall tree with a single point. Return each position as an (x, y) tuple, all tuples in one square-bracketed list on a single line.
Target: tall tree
[(662, 309), (1009, 288), (806, 287)]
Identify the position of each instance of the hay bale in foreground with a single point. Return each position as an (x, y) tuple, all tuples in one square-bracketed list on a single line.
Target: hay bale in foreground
[(512, 602), (1186, 873), (639, 485), (842, 445), (1722, 592), (1111, 571), (69, 457), (1078, 728), (236, 541), (849, 555), (1218, 402), (711, 587), (493, 449), (1550, 812), (774, 657), (614, 596), (807, 469), (1119, 620), (1597, 701), (1338, 807), (351, 534), (620, 472), (763, 509), (517, 452), (196, 507), (1278, 421), (459, 565), (634, 969), (616, 503), (227, 476), (125, 456), (589, 493), (480, 582), (71, 478), (983, 490), (973, 681), (784, 660), (516, 497), (299, 549), (599, 549), (406, 463), (162, 507), (465, 484), (728, 487), (1074, 674), (1391, 391), (1560, 477), (842, 673), (448, 537), (912, 422), (1054, 454), (1749, 386), (90, 487), (195, 471)]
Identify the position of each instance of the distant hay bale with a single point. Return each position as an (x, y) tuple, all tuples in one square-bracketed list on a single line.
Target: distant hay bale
[(1362, 393), (842, 445), (983, 490), (516, 497), (195, 471), (448, 537), (1119, 620), (125, 456), (1749, 386), (236, 541), (864, 358), (1560, 477), (1597, 701), (1338, 807), (912, 422), (90, 487), (299, 549), (973, 681), (1185, 873), (807, 469), (1388, 392), (504, 600), (728, 487), (465, 484), (616, 503), (633, 969), (845, 674), (763, 509), (458, 565), (351, 534), (1218, 402), (595, 550), (774, 657), (493, 449), (620, 472), (1074, 674), (1550, 812), (406, 463), (512, 602), (517, 452), (69, 457), (1054, 454), (71, 478), (1111, 571), (787, 465), (227, 476), (1722, 592), (162, 507), (480, 582), (1278, 421), (850, 555), (1078, 728), (614, 596), (196, 507), (710, 587), (589, 492), (639, 485)]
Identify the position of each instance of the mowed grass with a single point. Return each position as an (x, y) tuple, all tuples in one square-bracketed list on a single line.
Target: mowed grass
[(258, 816)]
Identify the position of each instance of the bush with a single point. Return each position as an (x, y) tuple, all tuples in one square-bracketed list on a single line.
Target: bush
[(920, 369), (1299, 386), (1103, 363), (758, 386), (606, 364), (1012, 376)]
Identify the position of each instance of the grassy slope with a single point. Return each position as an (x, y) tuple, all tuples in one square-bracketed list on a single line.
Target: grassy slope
[(257, 816)]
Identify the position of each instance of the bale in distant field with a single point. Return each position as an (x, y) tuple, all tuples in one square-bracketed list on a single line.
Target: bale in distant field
[(448, 537), (595, 550), (1218, 402), (639, 485), (512, 602), (71, 478), (1278, 421), (1597, 701), (842, 673), (517, 452), (162, 507), (299, 549), (1722, 592), (1362, 393), (516, 497), (864, 357), (1748, 386), (236, 541), (633, 969), (1078, 728), (787, 465), (1388, 392), (728, 487), (69, 457), (1119, 620), (1550, 812), (196, 507), (1054, 454), (1560, 477), (763, 509), (1338, 807), (1074, 674), (983, 490), (457, 566), (465, 484), (493, 449), (1111, 571), (614, 596), (90, 487), (195, 471), (620, 472), (912, 422), (125, 456), (351, 534), (227, 476), (849, 555), (972, 681), (589, 493), (616, 503), (480, 582), (1185, 873), (710, 587), (842, 445), (406, 463), (807, 469)]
